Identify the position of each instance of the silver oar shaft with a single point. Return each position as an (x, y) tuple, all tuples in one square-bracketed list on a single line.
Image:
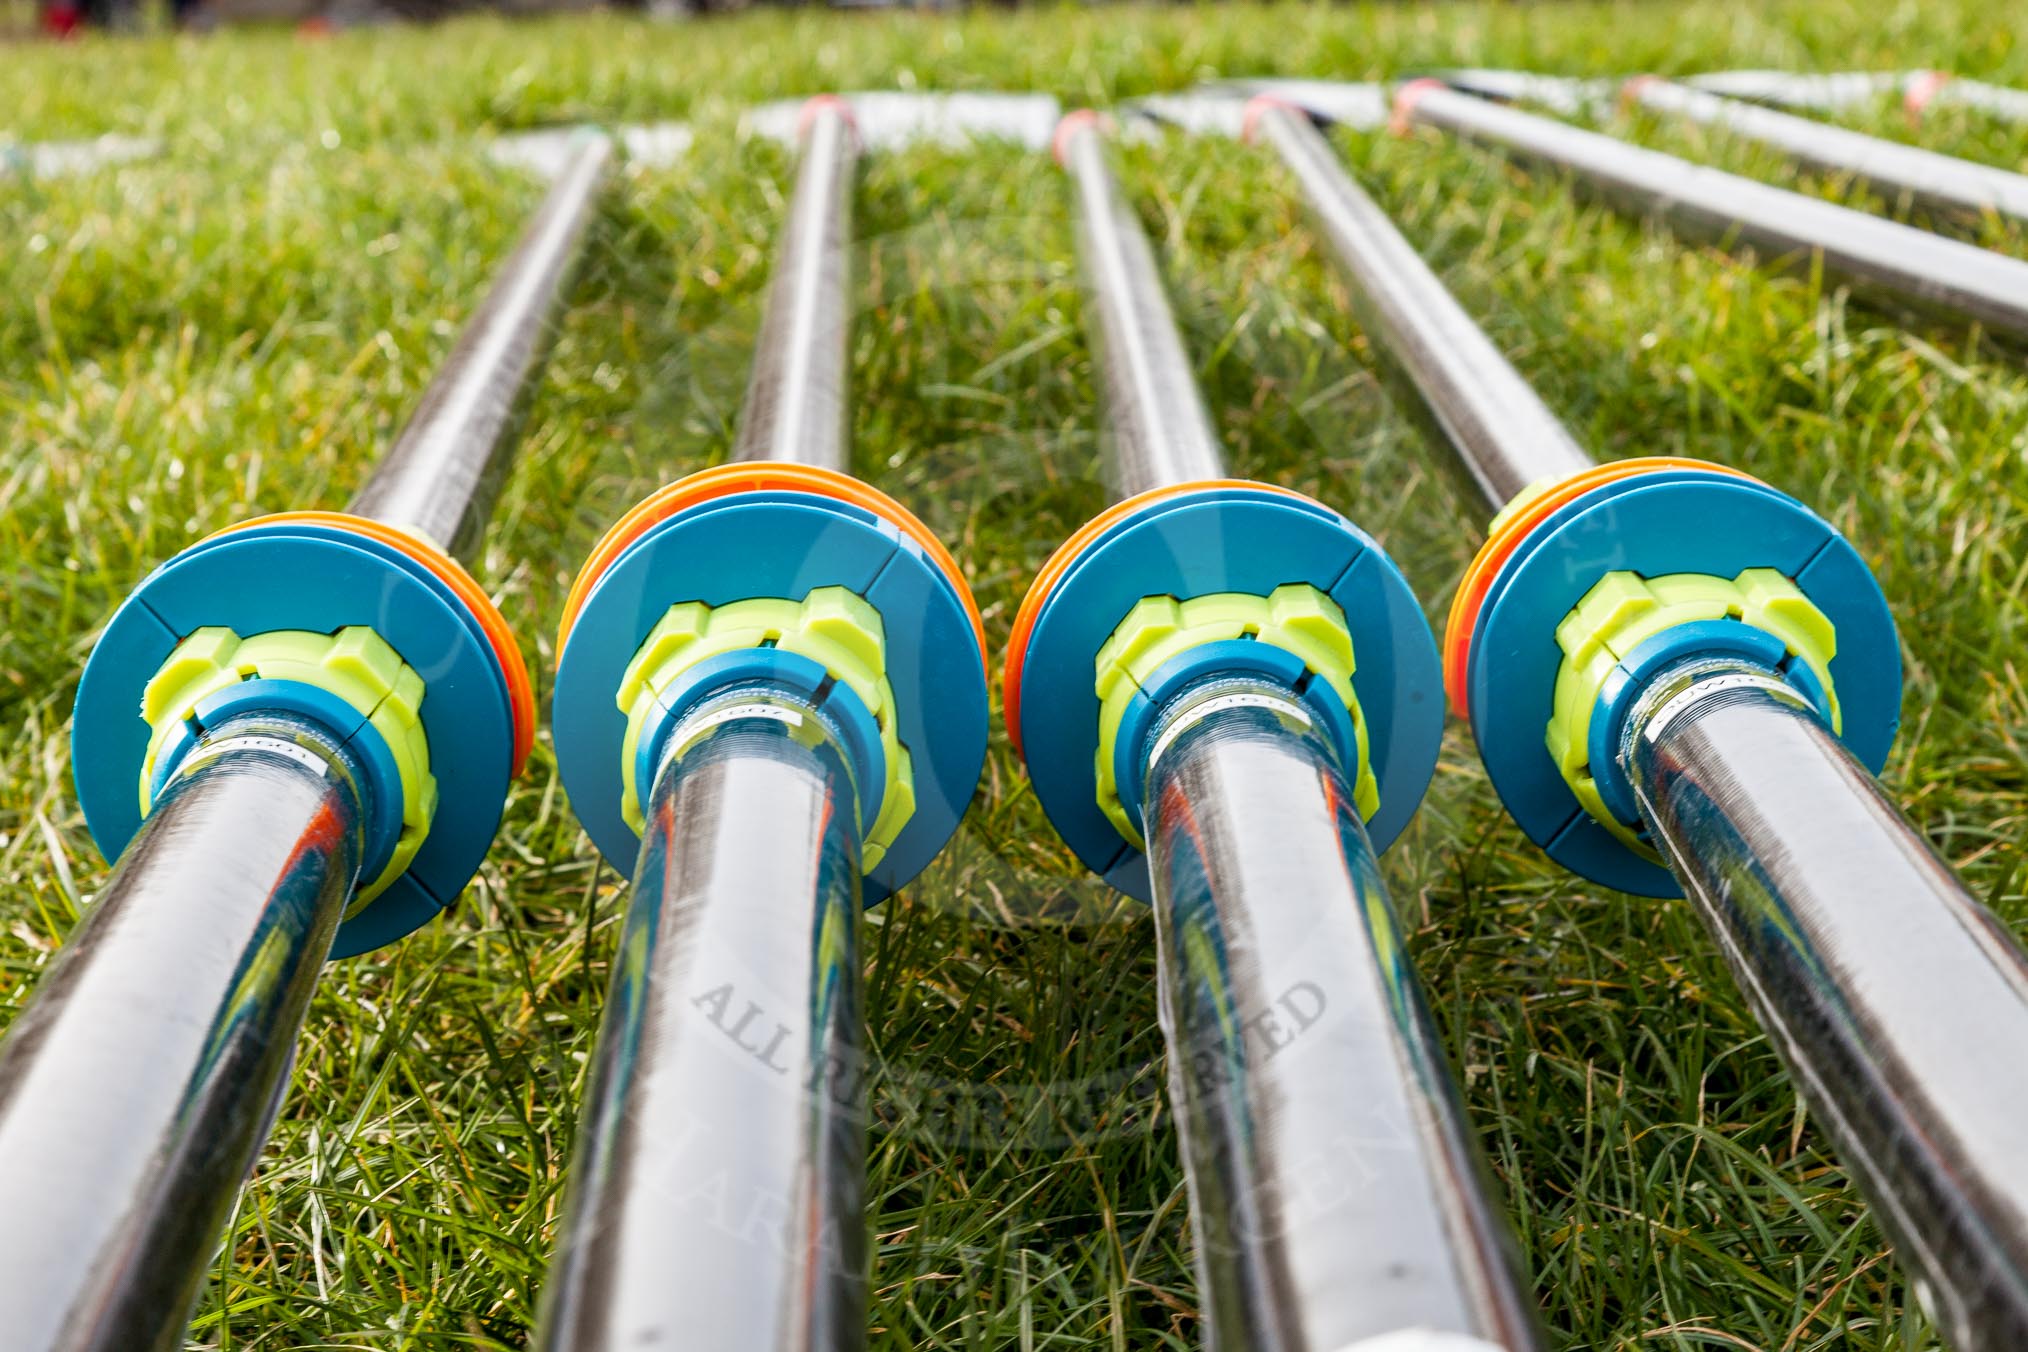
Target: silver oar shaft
[(796, 405), (1883, 981), (441, 475), (1889, 167), (1334, 1185), (1159, 429), (1476, 397), (715, 1201), (138, 1086), (1899, 262)]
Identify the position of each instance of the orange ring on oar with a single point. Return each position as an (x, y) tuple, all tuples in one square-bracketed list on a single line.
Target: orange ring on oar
[(1506, 538), (1059, 563), (520, 688), (759, 476)]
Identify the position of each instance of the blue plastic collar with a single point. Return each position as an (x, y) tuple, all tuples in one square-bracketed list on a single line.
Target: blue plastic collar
[(845, 714), (1657, 524), (1226, 657), (317, 578), (381, 791), (781, 543), (1665, 652), (1196, 543)]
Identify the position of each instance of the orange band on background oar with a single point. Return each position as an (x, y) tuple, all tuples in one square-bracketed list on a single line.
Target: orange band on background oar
[(1923, 86), (1405, 99), (520, 689)]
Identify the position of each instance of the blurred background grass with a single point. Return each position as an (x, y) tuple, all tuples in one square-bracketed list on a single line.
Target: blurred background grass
[(240, 325)]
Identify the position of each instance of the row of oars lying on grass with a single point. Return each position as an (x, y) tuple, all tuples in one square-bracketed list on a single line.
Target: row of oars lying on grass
[(771, 705)]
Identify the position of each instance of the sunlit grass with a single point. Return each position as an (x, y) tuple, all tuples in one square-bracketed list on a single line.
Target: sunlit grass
[(237, 328)]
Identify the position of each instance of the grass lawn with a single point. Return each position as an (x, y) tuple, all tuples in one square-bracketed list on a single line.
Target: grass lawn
[(239, 327)]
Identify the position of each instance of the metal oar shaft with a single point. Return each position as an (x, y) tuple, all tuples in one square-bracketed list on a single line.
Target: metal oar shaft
[(1333, 1182), (1787, 89), (796, 406), (441, 475), (1894, 997), (1892, 169), (715, 1198), (139, 1084), (1997, 100), (137, 1087), (1159, 429), (1912, 266), (1335, 1186), (1884, 982), (1475, 396)]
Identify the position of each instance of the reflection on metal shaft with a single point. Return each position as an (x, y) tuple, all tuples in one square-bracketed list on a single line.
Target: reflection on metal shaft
[(1882, 981), (1505, 435), (795, 398), (439, 479), (1334, 1183), (1912, 266), (1894, 997), (1889, 167), (716, 1195), (137, 1087), (1161, 432)]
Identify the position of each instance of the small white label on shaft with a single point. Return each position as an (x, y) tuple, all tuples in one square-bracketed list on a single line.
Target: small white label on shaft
[(1197, 713), (736, 711), (302, 755), (1699, 691)]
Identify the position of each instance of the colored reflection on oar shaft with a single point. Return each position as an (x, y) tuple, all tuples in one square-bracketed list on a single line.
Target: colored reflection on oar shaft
[(131, 1106), (1335, 1188), (1886, 987), (716, 1197)]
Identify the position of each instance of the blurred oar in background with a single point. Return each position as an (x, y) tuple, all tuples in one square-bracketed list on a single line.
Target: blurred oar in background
[(1899, 262)]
